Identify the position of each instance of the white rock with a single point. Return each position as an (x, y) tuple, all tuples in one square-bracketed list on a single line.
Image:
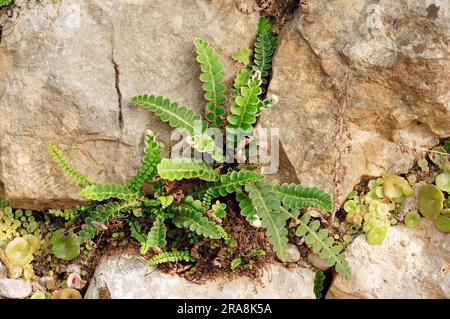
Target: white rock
[(410, 263), (14, 288), (293, 255), (126, 276), (319, 263)]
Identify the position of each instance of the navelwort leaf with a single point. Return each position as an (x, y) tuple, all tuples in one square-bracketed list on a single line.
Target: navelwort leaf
[(179, 168), (323, 244), (268, 208), (65, 165), (212, 79), (298, 196)]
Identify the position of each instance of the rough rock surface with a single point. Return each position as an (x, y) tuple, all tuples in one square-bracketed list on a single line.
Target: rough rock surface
[(69, 69), (126, 276), (362, 82), (14, 288), (410, 263)]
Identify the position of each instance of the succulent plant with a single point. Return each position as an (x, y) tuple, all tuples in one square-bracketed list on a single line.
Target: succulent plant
[(443, 223), (412, 219), (68, 293), (431, 201), (38, 295), (395, 187), (65, 246), (443, 182), (19, 252)]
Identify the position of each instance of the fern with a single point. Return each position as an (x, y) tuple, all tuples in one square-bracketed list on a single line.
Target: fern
[(242, 55), (101, 192), (176, 115), (65, 165), (151, 158), (212, 79), (246, 206), (245, 107), (179, 168), (157, 235), (264, 49), (192, 217), (228, 183), (322, 243), (101, 216), (268, 208), (172, 256), (319, 278), (298, 196), (4, 2), (241, 79)]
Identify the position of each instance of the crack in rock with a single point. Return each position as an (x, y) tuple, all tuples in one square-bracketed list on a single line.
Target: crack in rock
[(117, 85)]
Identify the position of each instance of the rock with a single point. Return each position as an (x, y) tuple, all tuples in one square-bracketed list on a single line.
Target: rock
[(69, 70), (316, 261), (410, 263), (14, 288), (293, 255), (3, 271), (363, 84), (126, 276)]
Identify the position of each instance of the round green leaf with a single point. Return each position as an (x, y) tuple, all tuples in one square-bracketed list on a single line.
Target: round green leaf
[(65, 247)]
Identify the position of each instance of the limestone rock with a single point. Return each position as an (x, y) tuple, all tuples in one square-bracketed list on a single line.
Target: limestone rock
[(69, 70), (410, 263), (126, 276), (293, 255), (359, 86), (14, 288)]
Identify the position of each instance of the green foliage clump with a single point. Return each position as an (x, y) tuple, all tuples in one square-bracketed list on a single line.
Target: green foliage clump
[(319, 278), (172, 256), (4, 2), (65, 246)]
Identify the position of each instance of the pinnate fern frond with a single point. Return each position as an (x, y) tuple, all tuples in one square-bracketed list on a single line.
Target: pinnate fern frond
[(101, 192), (172, 256), (65, 165), (273, 220), (157, 235), (241, 79), (152, 157), (246, 206), (264, 49), (179, 168), (245, 107), (322, 243), (228, 183), (298, 196), (212, 79), (176, 115)]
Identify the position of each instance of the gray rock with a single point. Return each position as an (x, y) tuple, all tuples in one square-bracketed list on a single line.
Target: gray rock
[(293, 255), (363, 84), (14, 288), (410, 263), (316, 261), (126, 276), (69, 70)]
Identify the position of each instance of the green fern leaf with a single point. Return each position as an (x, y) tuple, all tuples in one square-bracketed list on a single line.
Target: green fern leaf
[(298, 196), (65, 165), (101, 192), (151, 158), (172, 256), (268, 208), (176, 115), (179, 168), (318, 284), (245, 107), (264, 49), (212, 79), (228, 183), (322, 243), (157, 235), (246, 206), (192, 218), (242, 55), (241, 79)]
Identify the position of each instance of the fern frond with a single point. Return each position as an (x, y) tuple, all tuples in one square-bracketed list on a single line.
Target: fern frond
[(245, 107), (65, 165), (152, 157), (101, 192), (212, 79), (298, 196), (172, 256), (186, 216), (264, 49), (157, 235), (241, 79), (228, 183), (179, 168), (101, 216), (246, 206), (319, 278), (268, 208), (321, 242), (135, 231), (176, 115)]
